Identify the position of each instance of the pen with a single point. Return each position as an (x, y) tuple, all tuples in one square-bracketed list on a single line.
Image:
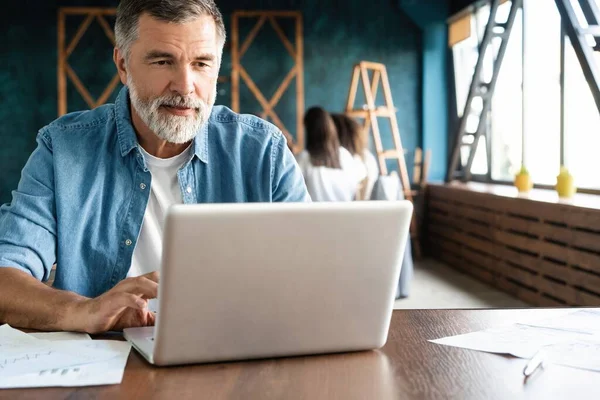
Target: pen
[(532, 365)]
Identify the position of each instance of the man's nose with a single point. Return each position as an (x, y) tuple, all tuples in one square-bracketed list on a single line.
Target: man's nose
[(183, 82)]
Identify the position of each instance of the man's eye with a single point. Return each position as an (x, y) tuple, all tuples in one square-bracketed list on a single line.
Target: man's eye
[(161, 62), (202, 65)]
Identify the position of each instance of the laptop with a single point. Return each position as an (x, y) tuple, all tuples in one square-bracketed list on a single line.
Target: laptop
[(265, 280)]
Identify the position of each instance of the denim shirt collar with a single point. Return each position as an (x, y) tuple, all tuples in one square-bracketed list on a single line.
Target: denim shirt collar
[(126, 134)]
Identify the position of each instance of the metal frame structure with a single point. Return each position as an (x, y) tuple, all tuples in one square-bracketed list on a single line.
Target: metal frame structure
[(481, 90), (580, 33), (578, 36)]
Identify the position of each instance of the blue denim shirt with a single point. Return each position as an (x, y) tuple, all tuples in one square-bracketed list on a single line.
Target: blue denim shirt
[(83, 192)]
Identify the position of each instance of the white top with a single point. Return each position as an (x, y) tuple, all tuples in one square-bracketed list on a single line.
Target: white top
[(331, 184), (368, 167), (164, 192)]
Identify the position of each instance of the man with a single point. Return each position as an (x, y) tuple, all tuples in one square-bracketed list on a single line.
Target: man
[(93, 195)]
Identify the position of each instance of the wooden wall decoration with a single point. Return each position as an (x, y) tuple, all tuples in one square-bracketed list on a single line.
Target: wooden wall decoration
[(65, 71), (296, 52)]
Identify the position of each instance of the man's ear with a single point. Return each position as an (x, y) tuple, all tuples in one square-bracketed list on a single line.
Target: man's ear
[(119, 59)]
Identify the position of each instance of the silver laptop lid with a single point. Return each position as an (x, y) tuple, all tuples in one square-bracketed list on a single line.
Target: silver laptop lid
[(242, 281)]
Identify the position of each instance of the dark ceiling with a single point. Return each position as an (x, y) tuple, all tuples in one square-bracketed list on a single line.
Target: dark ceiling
[(458, 5)]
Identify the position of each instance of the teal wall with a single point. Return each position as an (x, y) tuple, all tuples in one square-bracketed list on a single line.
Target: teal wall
[(337, 33), (431, 16)]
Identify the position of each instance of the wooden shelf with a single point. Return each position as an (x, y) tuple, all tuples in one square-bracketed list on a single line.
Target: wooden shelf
[(581, 200), (537, 247)]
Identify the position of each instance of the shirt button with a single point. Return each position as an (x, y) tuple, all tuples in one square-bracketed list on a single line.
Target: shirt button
[(189, 189), (128, 242), (142, 186)]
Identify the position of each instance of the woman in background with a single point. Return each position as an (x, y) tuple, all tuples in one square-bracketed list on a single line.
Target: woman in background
[(329, 170), (351, 138)]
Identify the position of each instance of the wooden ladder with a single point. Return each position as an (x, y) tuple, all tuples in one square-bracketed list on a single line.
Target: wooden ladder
[(370, 112)]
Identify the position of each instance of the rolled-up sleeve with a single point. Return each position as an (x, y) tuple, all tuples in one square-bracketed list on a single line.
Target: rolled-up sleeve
[(28, 223), (286, 177)]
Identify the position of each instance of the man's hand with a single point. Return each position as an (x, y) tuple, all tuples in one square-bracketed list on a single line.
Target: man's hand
[(123, 306)]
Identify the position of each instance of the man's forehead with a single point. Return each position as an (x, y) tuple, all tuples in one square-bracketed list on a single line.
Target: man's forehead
[(197, 30)]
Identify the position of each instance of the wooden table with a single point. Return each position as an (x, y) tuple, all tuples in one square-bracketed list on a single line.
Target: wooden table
[(408, 367)]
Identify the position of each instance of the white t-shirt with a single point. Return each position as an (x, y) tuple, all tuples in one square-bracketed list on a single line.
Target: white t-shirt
[(164, 192), (368, 166), (331, 184)]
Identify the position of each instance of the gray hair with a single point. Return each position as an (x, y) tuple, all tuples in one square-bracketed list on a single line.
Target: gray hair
[(177, 11)]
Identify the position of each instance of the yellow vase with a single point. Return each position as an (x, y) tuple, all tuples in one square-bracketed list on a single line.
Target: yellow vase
[(565, 184), (523, 181)]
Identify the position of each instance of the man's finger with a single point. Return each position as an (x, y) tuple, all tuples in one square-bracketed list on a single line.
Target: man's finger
[(151, 319), (140, 286), (153, 276), (123, 299)]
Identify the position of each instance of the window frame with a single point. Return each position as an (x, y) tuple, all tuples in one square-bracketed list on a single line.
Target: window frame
[(488, 178)]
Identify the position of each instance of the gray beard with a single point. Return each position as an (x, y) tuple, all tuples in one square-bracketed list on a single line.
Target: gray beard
[(172, 128)]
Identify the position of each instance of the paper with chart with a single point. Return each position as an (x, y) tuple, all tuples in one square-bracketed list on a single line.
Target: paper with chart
[(109, 372), (585, 322), (59, 359), (584, 354), (22, 354), (56, 336), (572, 339), (10, 338)]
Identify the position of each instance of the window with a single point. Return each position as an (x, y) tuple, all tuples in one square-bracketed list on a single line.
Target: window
[(480, 164), (582, 125), (525, 123), (506, 122), (480, 160), (465, 54), (542, 90), (465, 58)]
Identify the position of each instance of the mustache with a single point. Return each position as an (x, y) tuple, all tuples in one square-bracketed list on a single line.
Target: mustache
[(179, 101)]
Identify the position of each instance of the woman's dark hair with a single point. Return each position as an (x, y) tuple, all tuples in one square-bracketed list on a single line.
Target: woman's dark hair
[(322, 141), (349, 134)]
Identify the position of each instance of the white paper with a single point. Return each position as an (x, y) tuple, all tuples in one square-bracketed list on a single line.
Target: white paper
[(21, 353), (26, 359), (584, 322), (10, 338), (584, 354), (109, 372), (571, 340), (55, 336), (517, 340)]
